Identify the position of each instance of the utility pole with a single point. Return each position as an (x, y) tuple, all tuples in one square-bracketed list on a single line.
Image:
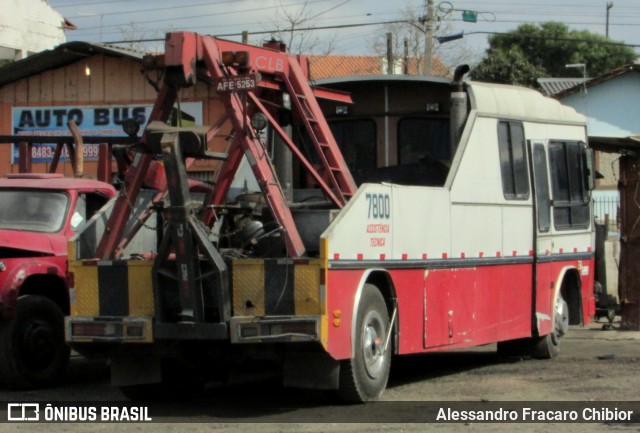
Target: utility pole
[(428, 35), (390, 53), (405, 57), (609, 6)]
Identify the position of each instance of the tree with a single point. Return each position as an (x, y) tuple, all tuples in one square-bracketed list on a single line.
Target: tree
[(288, 24), (4, 62), (533, 51), (508, 66), (136, 38)]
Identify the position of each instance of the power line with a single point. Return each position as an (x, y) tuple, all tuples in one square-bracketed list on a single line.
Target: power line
[(89, 4), (521, 11), (355, 25), (559, 9), (246, 26), (360, 25), (328, 10), (220, 13), (84, 31), (161, 9), (265, 32)]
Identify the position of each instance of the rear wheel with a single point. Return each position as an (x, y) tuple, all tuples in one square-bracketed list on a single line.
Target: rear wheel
[(548, 346), (364, 377), (33, 353)]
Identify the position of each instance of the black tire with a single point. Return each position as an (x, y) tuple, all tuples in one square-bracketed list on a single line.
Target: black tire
[(364, 377), (33, 353), (548, 346)]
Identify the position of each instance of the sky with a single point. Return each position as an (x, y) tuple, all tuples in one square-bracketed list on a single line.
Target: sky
[(117, 20)]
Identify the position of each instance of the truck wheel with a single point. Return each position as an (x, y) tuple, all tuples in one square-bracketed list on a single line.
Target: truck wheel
[(548, 346), (33, 353), (364, 376)]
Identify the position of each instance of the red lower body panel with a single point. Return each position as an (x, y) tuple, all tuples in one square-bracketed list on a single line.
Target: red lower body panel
[(461, 307)]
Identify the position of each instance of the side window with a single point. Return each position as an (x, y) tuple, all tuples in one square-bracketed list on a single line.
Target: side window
[(543, 202), (570, 198), (513, 161), (86, 205)]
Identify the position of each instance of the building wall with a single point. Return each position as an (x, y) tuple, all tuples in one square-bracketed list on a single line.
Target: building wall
[(607, 166), (28, 26), (611, 106), (111, 81)]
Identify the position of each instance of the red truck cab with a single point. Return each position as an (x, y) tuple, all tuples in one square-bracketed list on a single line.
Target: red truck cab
[(38, 214)]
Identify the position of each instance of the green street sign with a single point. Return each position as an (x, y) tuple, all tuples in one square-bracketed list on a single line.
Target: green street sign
[(470, 16)]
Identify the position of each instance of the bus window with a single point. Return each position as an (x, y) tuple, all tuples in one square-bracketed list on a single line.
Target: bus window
[(513, 163), (570, 198)]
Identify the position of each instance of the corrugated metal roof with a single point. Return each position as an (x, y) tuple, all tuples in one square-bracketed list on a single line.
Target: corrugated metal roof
[(614, 73), (551, 86), (62, 55)]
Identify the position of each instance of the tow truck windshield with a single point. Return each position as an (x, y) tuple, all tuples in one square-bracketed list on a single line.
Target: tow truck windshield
[(35, 211)]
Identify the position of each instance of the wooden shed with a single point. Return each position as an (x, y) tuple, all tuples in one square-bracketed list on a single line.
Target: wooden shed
[(98, 86)]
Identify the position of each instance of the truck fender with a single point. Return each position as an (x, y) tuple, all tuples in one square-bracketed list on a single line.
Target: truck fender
[(10, 290), (544, 320), (356, 301)]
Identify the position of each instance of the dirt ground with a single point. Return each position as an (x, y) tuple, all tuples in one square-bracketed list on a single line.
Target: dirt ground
[(594, 365)]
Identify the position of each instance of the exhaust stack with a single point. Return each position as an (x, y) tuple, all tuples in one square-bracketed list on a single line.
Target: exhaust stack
[(458, 110)]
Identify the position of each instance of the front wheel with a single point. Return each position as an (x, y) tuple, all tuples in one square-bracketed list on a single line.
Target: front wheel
[(33, 353), (548, 346), (364, 377)]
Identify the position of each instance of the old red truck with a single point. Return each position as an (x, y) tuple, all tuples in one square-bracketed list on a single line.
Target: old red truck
[(39, 213)]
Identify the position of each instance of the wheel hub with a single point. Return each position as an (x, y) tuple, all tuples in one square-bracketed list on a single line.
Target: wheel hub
[(373, 345), (561, 322), (38, 346)]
